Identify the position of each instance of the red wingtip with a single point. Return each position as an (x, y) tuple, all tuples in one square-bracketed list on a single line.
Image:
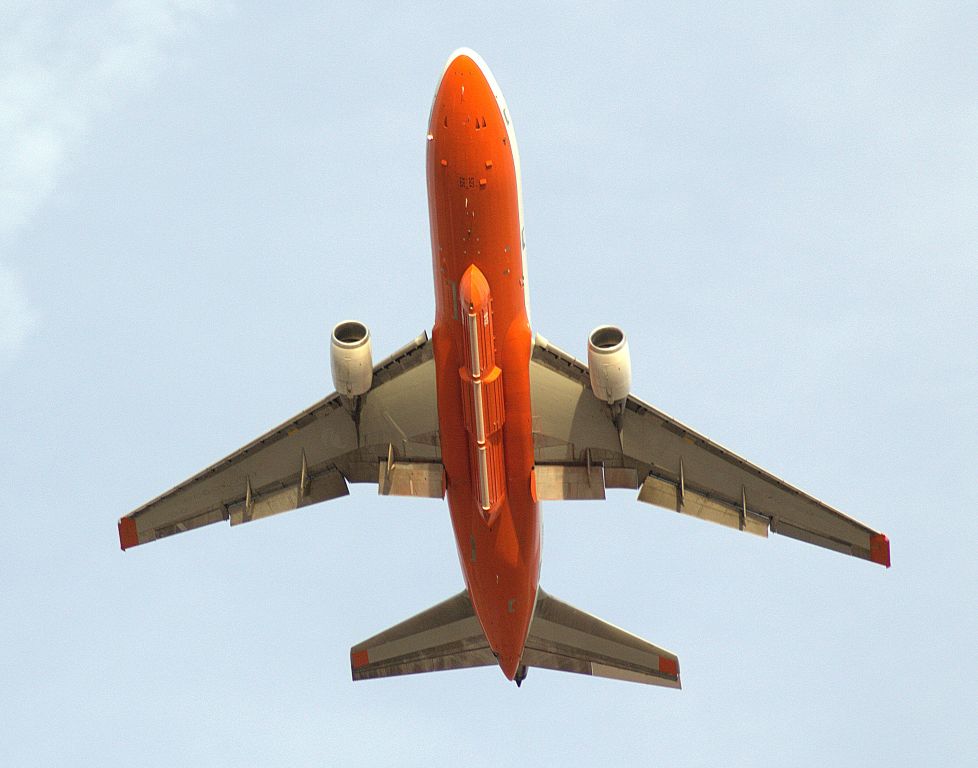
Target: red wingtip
[(879, 549), (359, 659), (127, 533), (668, 666)]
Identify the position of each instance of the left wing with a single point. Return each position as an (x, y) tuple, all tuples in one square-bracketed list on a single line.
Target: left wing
[(580, 452), (388, 437)]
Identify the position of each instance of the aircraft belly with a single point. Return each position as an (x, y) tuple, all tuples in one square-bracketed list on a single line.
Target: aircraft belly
[(488, 456)]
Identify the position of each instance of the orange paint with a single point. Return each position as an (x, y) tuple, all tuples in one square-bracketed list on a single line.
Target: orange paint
[(475, 222), (359, 659), (483, 399), (879, 549), (128, 537), (668, 666)]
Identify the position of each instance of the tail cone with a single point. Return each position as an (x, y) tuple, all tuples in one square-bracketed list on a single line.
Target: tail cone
[(509, 665)]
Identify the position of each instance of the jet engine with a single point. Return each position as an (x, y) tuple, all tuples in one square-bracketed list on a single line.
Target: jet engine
[(609, 364), (349, 358)]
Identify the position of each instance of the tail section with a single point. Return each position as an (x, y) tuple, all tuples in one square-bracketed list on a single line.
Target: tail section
[(570, 640), (446, 636), (561, 637)]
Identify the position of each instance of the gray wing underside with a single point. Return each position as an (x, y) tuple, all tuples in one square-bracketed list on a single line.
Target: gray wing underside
[(393, 441), (579, 453), (445, 636), (567, 639)]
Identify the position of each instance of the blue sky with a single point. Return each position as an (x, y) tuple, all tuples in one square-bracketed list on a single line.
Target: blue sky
[(778, 203)]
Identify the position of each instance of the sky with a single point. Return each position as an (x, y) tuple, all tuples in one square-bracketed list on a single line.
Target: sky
[(778, 204)]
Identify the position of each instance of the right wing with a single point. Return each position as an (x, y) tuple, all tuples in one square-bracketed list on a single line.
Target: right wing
[(390, 438), (579, 452)]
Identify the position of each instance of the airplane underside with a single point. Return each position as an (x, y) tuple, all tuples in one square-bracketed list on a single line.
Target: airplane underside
[(496, 419)]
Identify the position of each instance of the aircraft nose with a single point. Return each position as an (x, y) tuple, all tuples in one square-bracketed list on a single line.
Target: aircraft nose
[(466, 62), (466, 100), (466, 81)]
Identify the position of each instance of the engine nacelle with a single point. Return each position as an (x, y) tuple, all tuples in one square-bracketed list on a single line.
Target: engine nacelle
[(609, 364), (349, 358)]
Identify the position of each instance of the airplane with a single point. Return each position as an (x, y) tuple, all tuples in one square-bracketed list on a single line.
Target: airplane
[(498, 420)]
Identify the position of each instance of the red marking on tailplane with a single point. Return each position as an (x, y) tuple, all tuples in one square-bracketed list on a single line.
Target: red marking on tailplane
[(879, 549)]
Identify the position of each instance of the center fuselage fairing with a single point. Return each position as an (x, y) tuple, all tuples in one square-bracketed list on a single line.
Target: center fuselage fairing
[(482, 346)]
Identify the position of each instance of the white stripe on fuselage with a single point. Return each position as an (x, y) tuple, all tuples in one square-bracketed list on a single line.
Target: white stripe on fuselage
[(479, 416)]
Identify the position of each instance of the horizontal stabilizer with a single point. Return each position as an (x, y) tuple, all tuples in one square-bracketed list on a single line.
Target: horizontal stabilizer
[(569, 640), (447, 636)]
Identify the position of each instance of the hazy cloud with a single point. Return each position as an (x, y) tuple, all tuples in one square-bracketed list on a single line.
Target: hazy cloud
[(16, 317), (61, 69)]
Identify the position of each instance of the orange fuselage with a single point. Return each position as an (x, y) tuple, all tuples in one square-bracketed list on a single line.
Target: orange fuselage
[(482, 345)]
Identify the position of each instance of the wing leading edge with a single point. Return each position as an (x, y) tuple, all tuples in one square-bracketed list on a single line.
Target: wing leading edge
[(671, 465), (389, 438)]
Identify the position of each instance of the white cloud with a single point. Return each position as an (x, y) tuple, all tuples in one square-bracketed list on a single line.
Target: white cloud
[(60, 72), (16, 317)]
